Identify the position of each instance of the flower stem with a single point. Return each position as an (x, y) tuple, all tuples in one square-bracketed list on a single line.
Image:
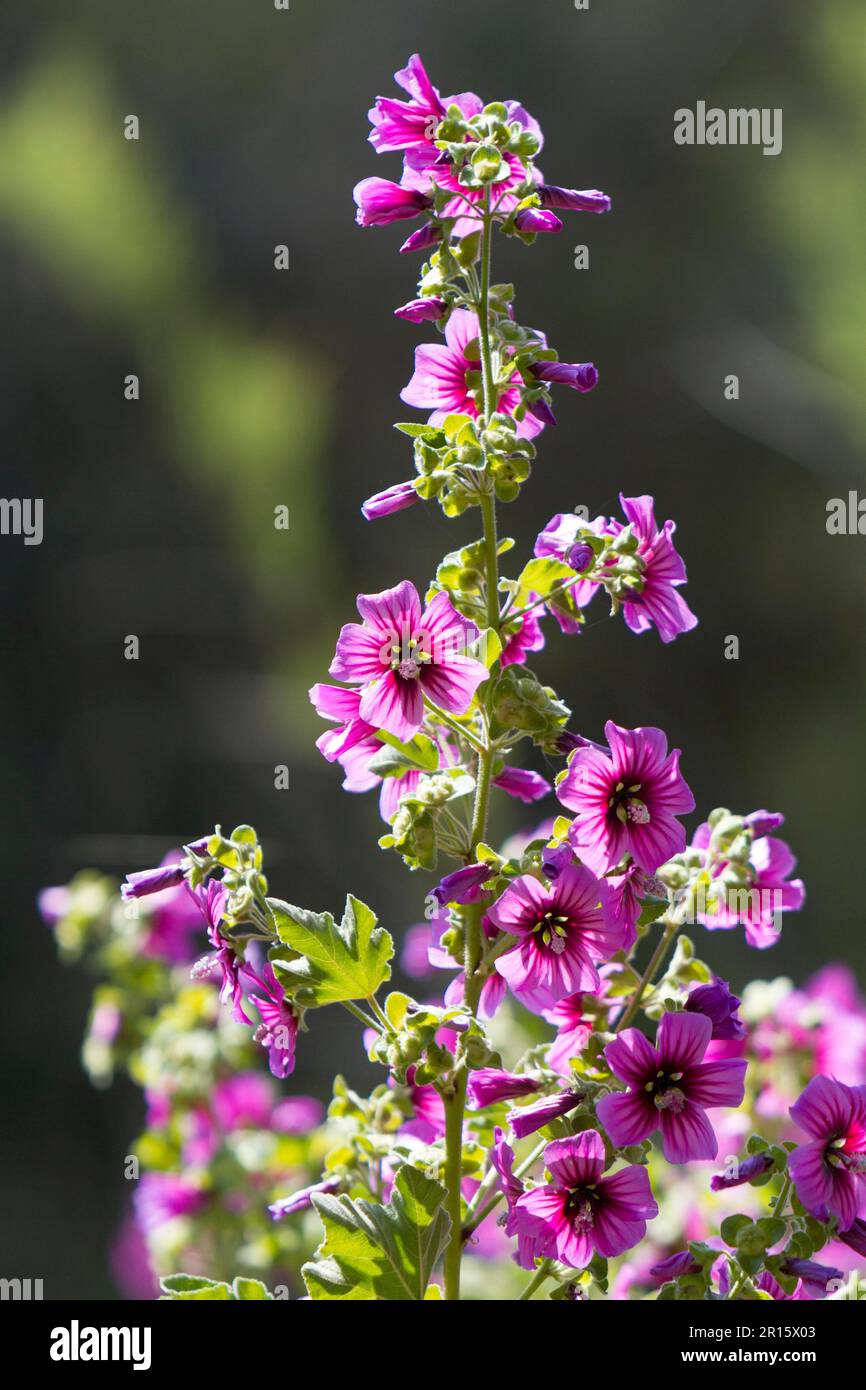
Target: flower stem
[(658, 955), (454, 1107), (542, 1273), (367, 1021), (455, 1104)]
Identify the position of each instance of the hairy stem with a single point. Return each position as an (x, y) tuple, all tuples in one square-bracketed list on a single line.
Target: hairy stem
[(456, 1103), (658, 955), (536, 1281)]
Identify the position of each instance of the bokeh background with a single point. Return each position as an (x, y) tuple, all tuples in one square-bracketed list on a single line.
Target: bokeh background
[(261, 388)]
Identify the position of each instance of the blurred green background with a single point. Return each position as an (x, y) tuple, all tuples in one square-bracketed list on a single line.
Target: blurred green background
[(261, 388)]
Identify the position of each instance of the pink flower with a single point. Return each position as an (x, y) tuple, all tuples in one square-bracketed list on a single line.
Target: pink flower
[(771, 891), (670, 1088), (244, 1101), (399, 125), (537, 220), (490, 1085), (563, 931), (502, 1159), (571, 200), (573, 1032), (528, 1119), (393, 499), (525, 785), (278, 1030), (447, 382), (381, 202), (522, 637), (582, 1213), (399, 655), (830, 1172), (427, 310), (626, 800)]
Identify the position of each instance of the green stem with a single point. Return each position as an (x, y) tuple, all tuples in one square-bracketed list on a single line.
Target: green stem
[(456, 1103), (454, 725), (379, 1013), (658, 955), (454, 1107), (536, 1281), (367, 1021)]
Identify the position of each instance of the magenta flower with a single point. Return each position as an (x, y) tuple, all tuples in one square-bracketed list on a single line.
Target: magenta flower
[(570, 200), (581, 1212), (771, 890), (489, 1085), (427, 310), (140, 885), (537, 220), (424, 239), (161, 1197), (522, 636), (243, 1101), (829, 1172), (465, 885), (720, 1006), (670, 1088), (278, 1030), (573, 1032), (400, 125), (528, 1119), (393, 499), (302, 1200), (563, 932), (447, 382), (399, 655), (627, 893), (212, 898), (381, 202), (296, 1115), (753, 1167), (658, 601), (627, 800), (502, 1159), (675, 1266), (579, 376), (523, 784)]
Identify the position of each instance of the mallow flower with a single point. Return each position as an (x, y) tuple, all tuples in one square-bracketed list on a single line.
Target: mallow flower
[(399, 655), (769, 891), (278, 1030), (583, 1212), (400, 124), (446, 381), (563, 932), (626, 800), (829, 1171), (670, 1087)]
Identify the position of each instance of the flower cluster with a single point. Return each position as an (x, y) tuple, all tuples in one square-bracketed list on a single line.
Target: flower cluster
[(629, 1082)]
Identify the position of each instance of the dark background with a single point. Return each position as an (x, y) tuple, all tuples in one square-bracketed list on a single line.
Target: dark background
[(260, 388)]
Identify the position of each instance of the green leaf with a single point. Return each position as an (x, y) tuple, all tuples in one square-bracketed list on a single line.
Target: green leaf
[(247, 1289), (541, 577), (373, 1252), (420, 752), (193, 1288), (416, 431), (349, 961)]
